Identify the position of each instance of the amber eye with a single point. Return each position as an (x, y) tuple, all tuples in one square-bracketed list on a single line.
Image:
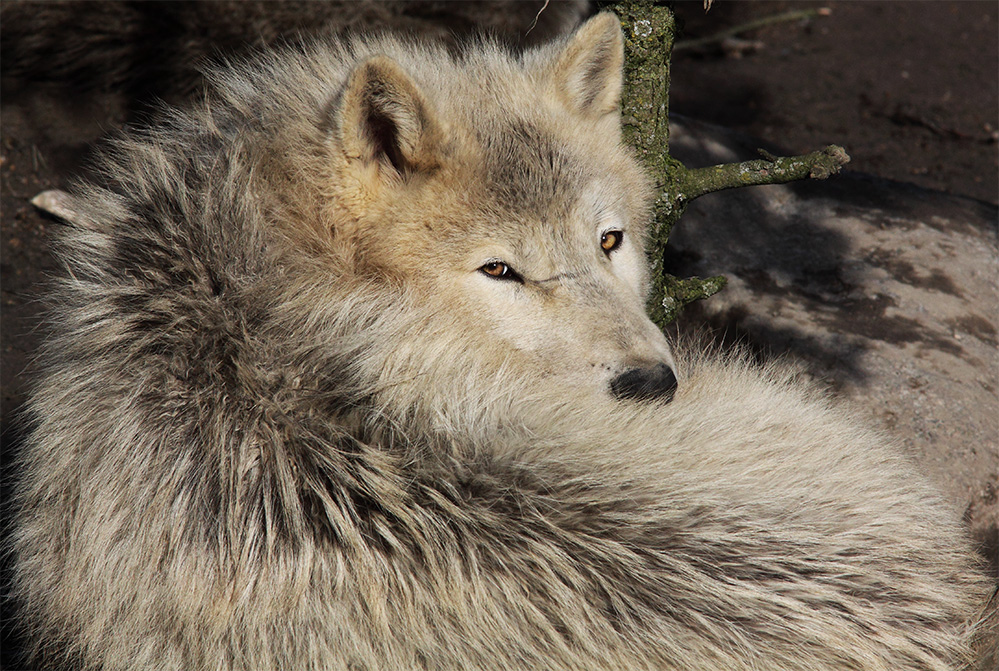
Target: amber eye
[(500, 271), (496, 269), (611, 240)]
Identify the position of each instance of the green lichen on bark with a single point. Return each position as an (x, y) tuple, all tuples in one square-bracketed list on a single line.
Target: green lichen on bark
[(650, 31), (768, 170)]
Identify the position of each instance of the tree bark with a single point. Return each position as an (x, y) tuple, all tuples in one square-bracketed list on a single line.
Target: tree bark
[(650, 31)]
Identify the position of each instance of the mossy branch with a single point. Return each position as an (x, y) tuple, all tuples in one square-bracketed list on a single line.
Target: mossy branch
[(768, 170), (650, 31)]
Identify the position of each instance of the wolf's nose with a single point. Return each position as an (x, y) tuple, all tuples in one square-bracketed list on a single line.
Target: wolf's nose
[(645, 384)]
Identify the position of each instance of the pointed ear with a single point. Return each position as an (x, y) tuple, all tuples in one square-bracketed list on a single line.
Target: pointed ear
[(589, 71), (385, 120)]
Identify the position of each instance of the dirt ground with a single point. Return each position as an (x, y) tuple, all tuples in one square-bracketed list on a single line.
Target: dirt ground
[(910, 89)]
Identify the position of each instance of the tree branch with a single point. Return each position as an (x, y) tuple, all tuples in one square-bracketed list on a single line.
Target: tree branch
[(718, 38), (771, 169), (650, 32)]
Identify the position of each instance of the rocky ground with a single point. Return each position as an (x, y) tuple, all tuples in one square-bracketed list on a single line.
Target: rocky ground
[(881, 283)]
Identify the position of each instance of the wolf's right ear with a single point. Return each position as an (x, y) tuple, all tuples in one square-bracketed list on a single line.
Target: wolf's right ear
[(589, 71), (385, 120)]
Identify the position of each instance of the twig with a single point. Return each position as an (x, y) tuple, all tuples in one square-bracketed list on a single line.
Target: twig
[(720, 37), (904, 117), (768, 170), (536, 17), (684, 291)]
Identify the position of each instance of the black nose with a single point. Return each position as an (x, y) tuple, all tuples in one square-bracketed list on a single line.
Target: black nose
[(645, 384)]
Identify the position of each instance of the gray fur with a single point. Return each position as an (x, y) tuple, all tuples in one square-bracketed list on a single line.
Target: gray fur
[(273, 431)]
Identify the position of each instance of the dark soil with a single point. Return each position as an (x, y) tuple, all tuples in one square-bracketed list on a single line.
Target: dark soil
[(910, 89)]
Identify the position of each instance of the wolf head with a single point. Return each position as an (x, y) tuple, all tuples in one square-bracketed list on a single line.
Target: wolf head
[(495, 194)]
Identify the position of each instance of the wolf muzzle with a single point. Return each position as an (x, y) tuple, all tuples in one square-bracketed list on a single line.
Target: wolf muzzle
[(657, 383)]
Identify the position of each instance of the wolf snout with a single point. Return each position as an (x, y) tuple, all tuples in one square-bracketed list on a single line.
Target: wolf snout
[(655, 383)]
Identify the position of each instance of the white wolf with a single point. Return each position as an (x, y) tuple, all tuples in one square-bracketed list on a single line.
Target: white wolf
[(350, 370)]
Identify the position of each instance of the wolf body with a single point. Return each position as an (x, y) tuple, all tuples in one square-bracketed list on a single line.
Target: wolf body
[(351, 369)]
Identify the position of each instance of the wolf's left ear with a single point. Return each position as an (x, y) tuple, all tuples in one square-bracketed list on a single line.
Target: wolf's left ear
[(589, 72), (385, 119)]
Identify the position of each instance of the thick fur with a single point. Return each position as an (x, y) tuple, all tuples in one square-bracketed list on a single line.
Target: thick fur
[(289, 418)]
